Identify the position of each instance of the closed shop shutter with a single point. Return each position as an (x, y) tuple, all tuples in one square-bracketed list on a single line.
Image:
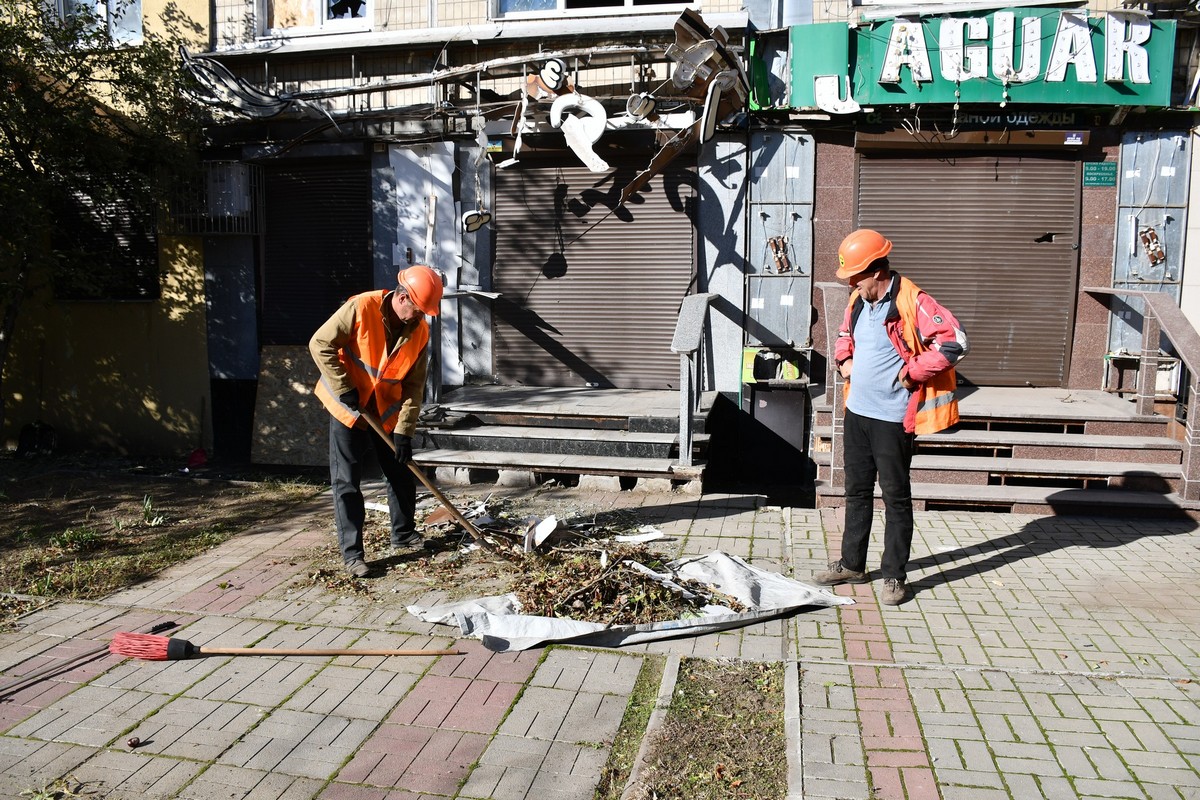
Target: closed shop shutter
[(317, 244), (995, 239), (590, 296)]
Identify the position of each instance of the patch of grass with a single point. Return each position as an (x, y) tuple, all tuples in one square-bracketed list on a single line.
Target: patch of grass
[(58, 789), (149, 517), (78, 540), (633, 728), (67, 531), (290, 488), (97, 570), (723, 737)]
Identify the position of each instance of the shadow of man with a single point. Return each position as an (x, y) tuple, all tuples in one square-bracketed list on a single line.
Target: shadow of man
[(1161, 516)]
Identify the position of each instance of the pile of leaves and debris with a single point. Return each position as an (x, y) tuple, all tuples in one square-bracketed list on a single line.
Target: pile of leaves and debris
[(593, 568), (608, 586)]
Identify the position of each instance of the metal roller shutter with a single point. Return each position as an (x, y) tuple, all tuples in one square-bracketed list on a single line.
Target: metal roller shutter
[(590, 296), (995, 239), (317, 244)]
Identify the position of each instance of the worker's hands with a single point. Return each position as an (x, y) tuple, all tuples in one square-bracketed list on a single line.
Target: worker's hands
[(844, 368), (349, 399), (403, 448), (905, 381)]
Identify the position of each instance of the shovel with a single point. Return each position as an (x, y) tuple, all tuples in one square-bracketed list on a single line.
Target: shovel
[(374, 422)]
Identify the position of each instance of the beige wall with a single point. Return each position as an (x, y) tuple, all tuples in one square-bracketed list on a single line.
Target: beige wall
[(124, 377), (188, 18)]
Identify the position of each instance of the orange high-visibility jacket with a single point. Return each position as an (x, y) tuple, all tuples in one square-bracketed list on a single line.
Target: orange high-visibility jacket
[(378, 376), (929, 339)]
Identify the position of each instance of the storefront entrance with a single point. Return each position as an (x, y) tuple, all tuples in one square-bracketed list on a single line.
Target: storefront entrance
[(589, 291), (995, 238)]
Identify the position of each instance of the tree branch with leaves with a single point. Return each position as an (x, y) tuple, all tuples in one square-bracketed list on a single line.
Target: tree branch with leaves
[(87, 124)]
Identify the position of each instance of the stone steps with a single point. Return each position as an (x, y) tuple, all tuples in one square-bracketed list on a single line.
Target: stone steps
[(976, 471), (614, 439), (1037, 451), (557, 440)]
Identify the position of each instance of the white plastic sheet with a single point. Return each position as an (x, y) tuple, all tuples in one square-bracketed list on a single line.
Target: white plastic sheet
[(498, 623)]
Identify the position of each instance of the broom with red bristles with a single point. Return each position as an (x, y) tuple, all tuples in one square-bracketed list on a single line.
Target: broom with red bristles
[(149, 647)]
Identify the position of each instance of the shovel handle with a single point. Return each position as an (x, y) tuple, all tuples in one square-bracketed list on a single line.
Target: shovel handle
[(374, 422)]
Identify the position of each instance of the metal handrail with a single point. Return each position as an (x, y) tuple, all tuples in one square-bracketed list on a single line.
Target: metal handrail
[(687, 341), (834, 297), (1163, 317)]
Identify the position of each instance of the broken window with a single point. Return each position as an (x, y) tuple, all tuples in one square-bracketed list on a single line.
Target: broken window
[(518, 7), (294, 17), (120, 19)]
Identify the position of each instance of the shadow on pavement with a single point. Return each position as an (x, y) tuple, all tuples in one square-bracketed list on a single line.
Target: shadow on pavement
[(1049, 534)]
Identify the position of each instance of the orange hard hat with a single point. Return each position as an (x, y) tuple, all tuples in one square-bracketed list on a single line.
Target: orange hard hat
[(859, 250), (423, 286)]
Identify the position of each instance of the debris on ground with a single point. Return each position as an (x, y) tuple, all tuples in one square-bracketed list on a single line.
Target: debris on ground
[(604, 585), (598, 577), (575, 566), (13, 606)]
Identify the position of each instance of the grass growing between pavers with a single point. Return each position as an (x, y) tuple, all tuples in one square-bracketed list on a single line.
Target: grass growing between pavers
[(57, 789), (723, 736), (633, 727)]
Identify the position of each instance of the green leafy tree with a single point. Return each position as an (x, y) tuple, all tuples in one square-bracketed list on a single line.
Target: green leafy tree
[(91, 128)]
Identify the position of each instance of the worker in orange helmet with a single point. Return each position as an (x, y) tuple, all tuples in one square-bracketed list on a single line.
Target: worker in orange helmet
[(897, 348), (373, 356)]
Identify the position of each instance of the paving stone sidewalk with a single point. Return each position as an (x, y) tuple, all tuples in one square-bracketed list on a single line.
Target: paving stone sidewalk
[(1041, 657)]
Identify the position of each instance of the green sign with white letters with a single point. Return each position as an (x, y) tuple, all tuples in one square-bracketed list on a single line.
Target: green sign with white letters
[(1043, 56), (1099, 173)]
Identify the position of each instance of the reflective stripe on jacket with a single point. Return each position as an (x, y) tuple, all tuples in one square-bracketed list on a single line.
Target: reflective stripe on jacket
[(930, 341), (377, 376)]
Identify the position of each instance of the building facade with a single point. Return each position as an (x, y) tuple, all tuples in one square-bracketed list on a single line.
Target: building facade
[(576, 169), (1016, 156), (573, 170)]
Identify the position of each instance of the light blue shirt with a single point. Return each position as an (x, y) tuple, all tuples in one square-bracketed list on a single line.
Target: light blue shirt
[(875, 389)]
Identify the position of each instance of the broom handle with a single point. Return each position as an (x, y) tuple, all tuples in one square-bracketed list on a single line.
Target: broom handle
[(280, 651), (374, 422)]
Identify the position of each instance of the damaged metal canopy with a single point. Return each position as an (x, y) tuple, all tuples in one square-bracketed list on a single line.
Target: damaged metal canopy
[(708, 79)]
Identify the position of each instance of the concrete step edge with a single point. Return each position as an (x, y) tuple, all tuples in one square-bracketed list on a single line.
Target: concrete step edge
[(1033, 466), (550, 462), (1090, 441), (535, 432)]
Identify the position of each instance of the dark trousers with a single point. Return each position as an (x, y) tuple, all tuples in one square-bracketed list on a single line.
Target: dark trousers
[(347, 450), (876, 449)]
